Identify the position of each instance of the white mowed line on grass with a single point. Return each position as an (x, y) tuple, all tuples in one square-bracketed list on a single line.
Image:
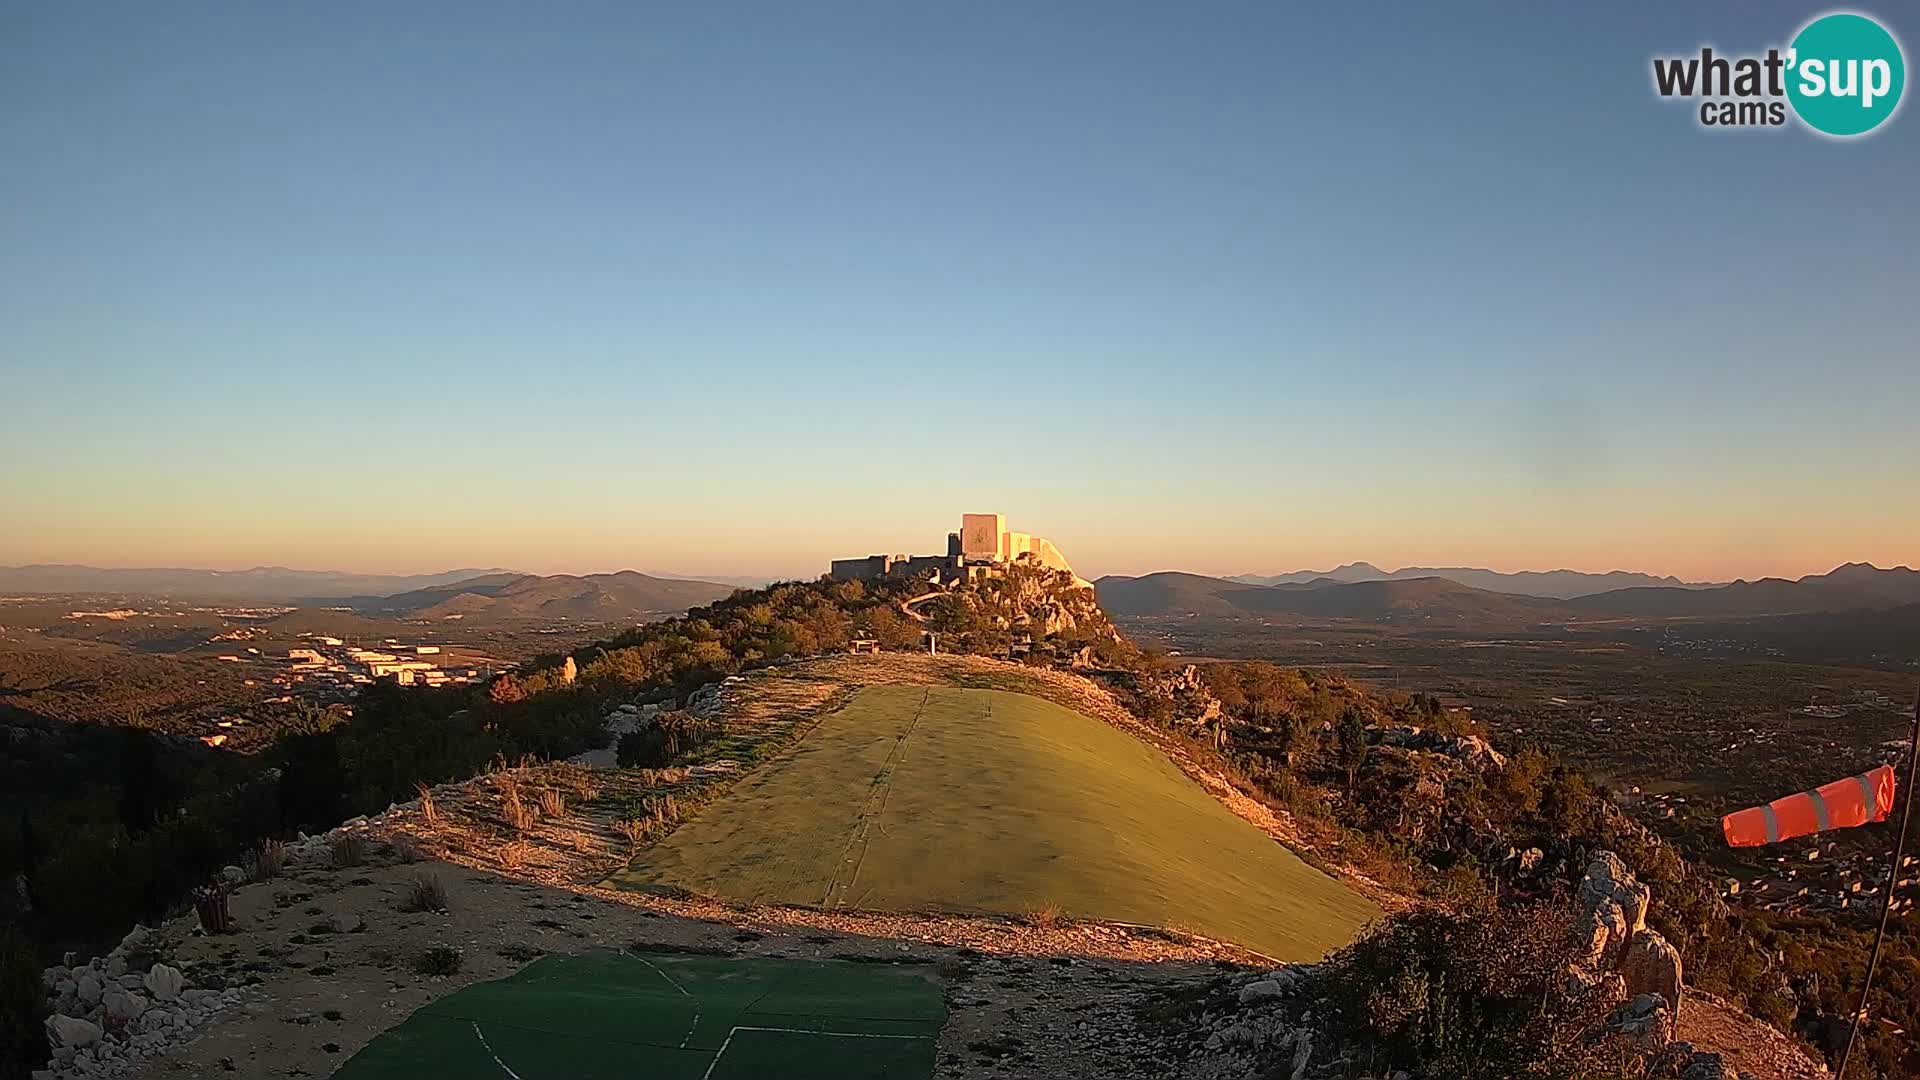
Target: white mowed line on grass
[(478, 1034), (683, 993), (728, 1041)]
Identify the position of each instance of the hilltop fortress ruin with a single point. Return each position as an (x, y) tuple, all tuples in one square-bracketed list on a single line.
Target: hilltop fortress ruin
[(982, 547)]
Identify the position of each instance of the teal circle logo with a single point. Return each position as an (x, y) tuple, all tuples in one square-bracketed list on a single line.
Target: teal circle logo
[(1845, 74)]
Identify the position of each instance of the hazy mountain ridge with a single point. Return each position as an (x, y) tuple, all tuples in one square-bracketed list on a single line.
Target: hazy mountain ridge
[(1555, 584), (1850, 587), (1176, 593), (1853, 587), (259, 584), (626, 594)]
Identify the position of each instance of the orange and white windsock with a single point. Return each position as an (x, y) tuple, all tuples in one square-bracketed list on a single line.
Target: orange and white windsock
[(1857, 800)]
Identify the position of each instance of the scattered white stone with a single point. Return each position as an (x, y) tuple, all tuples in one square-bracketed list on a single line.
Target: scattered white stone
[(165, 982)]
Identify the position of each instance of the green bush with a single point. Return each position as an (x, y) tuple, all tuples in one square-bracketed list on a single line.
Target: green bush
[(1472, 996), (670, 736)]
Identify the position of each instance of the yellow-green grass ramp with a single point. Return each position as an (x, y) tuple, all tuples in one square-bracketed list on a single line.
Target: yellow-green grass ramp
[(914, 798)]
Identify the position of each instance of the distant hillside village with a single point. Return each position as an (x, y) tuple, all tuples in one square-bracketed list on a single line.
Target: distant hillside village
[(982, 548)]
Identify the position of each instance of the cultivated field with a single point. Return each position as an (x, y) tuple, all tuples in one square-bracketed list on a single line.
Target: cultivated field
[(943, 798)]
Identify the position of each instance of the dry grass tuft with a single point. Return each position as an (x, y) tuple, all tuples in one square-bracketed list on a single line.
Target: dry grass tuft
[(425, 894), (346, 849), (1048, 916), (514, 855), (518, 813), (428, 809), (267, 861), (634, 829), (552, 803), (665, 809)]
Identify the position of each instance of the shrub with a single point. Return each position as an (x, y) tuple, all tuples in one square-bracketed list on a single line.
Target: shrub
[(1473, 996), (438, 960), (671, 735), (426, 893)]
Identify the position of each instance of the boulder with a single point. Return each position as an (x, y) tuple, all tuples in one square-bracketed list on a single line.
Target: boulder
[(1263, 990), (123, 1007), (1707, 1067), (1651, 965), (71, 1031), (165, 982), (87, 987), (1647, 1021)]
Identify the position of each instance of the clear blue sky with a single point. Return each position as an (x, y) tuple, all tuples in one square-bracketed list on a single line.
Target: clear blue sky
[(733, 288)]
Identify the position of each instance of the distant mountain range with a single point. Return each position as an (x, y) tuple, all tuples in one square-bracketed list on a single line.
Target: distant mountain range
[(1192, 594), (628, 594), (260, 585), (491, 594), (1855, 587), (1559, 584)]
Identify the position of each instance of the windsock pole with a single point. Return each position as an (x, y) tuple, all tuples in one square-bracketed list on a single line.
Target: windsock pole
[(1893, 880)]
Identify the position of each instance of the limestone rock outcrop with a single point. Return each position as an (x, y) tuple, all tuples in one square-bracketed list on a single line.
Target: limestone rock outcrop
[(1615, 951), (1471, 749), (1652, 965)]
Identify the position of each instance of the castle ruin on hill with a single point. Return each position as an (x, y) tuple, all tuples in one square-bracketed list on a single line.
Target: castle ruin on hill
[(981, 548)]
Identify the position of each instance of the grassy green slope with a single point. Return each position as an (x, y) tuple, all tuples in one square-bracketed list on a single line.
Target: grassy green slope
[(941, 798)]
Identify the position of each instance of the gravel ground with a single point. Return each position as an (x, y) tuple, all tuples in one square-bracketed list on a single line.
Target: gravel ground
[(327, 957)]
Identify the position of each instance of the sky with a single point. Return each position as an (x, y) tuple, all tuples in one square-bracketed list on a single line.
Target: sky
[(736, 288)]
